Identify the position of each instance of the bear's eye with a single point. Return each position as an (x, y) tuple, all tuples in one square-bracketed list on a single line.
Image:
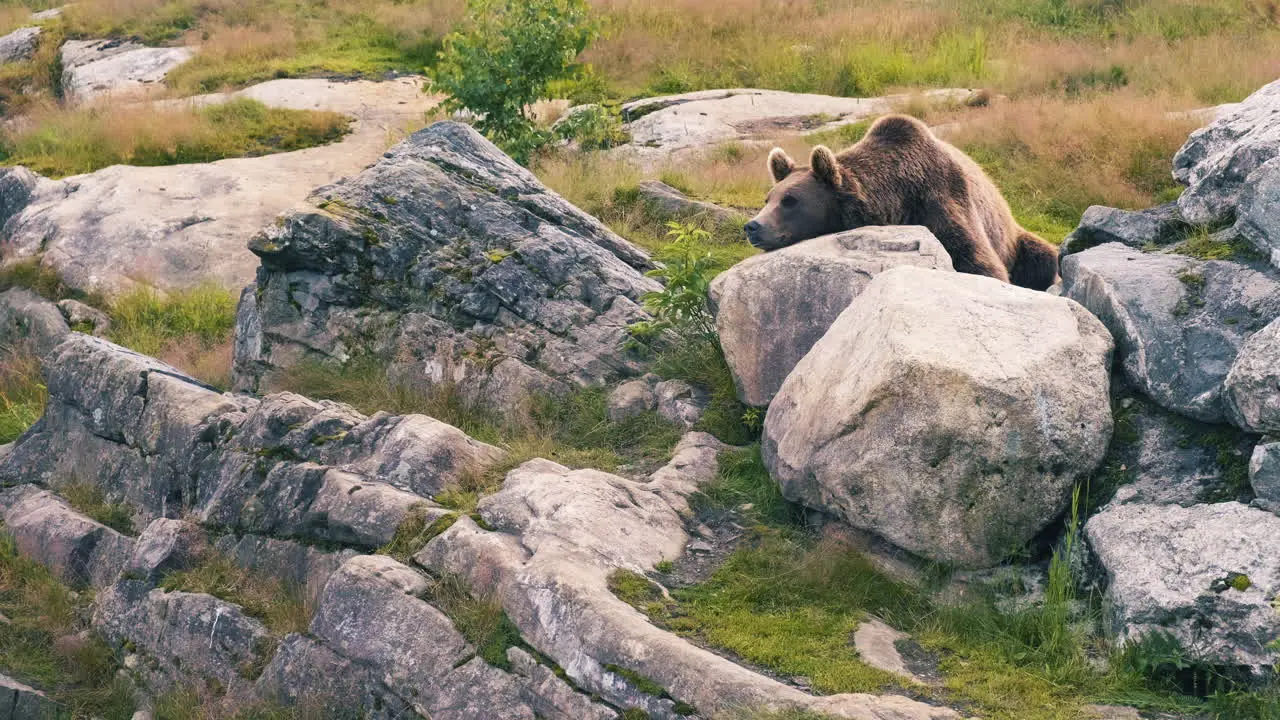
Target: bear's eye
[(789, 201)]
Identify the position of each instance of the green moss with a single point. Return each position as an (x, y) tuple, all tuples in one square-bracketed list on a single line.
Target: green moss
[(1239, 581), (649, 687)]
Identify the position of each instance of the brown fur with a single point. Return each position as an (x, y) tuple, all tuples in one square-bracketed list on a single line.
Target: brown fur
[(900, 174)]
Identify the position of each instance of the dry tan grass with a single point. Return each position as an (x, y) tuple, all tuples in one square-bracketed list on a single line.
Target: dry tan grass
[(209, 364)]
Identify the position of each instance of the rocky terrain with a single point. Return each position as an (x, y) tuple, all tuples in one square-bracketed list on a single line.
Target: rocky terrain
[(952, 428)]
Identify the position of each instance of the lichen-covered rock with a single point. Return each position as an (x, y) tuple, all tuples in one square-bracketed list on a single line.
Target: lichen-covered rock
[(299, 566), (18, 46), (77, 549), (166, 546), (1178, 322), (1217, 161), (307, 674), (372, 614), (30, 322), (949, 414), (1264, 475), (1205, 574), (21, 702), (1258, 210), (559, 534), (85, 317), (680, 403), (1252, 387), (551, 697), (92, 68), (770, 309), (184, 635), (632, 398), (1100, 225), (16, 187), (455, 266), (283, 465)]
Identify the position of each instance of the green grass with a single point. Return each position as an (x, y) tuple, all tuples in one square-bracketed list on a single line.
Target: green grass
[(280, 606), (146, 320), (45, 282), (789, 601), (414, 532), (75, 141), (22, 392), (1201, 245), (89, 500), (37, 645)]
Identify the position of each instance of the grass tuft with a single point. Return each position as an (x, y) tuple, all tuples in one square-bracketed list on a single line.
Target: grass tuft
[(88, 498), (280, 606), (22, 392), (481, 620)]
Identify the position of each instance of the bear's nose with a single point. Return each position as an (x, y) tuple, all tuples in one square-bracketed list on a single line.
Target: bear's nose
[(752, 227)]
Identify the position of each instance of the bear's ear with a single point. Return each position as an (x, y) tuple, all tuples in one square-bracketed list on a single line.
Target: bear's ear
[(825, 167), (780, 164)]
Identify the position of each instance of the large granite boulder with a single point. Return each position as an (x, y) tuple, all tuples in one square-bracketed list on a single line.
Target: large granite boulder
[(1205, 575), (1100, 225), (558, 534), (949, 414), (180, 226), (93, 68), (1179, 323), (453, 265), (283, 465), (1251, 390), (1217, 161), (771, 308), (1264, 475)]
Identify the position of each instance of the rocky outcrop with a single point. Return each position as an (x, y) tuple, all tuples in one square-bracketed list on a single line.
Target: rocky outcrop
[(1179, 323), (957, 398), (670, 202), (1217, 161), (94, 68), (283, 465), (30, 322), (662, 125), (454, 266), (556, 537), (19, 45), (770, 309), (180, 226), (16, 186), (80, 551), (1205, 575), (1100, 225), (21, 702)]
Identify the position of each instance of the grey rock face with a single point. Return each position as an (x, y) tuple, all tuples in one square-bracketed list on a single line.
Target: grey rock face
[(1216, 162), (1176, 570), (183, 635), (92, 68), (551, 697), (296, 565), (371, 614), (1252, 387), (283, 465), (77, 549), (16, 187), (28, 321), (1264, 475), (1258, 210), (669, 201), (19, 45), (20, 702), (957, 398), (770, 309), (632, 398), (453, 264), (560, 533), (1178, 322), (1101, 225), (166, 546), (306, 674)]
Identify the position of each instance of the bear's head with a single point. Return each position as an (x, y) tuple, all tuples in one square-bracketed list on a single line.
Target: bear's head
[(804, 202)]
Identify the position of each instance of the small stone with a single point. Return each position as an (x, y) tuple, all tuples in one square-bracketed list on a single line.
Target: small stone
[(699, 546)]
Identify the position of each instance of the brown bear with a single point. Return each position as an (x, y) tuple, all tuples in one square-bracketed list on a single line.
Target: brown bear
[(900, 174)]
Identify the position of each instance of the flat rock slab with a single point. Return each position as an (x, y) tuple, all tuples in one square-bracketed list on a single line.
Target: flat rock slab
[(93, 69), (1205, 574), (770, 309), (697, 120), (182, 225), (877, 645)]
